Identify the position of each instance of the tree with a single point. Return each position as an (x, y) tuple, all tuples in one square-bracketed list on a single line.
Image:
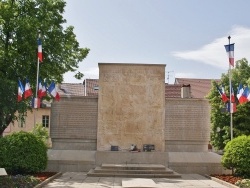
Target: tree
[(220, 119), (41, 133), (20, 22), (236, 156), (23, 153)]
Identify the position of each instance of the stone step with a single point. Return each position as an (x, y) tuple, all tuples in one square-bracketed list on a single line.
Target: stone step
[(131, 171), (133, 166), (92, 173)]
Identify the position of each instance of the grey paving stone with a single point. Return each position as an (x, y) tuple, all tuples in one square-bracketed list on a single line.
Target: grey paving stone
[(139, 182)]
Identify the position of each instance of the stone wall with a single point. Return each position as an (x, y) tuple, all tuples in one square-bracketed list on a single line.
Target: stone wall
[(131, 106), (74, 123), (187, 125)]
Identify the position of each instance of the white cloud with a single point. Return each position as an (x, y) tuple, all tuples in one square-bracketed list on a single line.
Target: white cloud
[(184, 75), (214, 53), (92, 73)]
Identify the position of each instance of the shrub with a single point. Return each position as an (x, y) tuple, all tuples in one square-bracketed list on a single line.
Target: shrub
[(3, 148), (236, 156), (41, 132), (23, 153), (245, 183)]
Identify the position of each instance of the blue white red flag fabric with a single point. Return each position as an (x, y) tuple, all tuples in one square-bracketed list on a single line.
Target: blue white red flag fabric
[(53, 91), (27, 89), (40, 53), (243, 98), (248, 97), (240, 91), (20, 91), (40, 86), (222, 94), (41, 89), (230, 52), (232, 95), (36, 103), (231, 108)]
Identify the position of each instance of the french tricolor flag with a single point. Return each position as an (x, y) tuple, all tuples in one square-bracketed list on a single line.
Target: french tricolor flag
[(230, 52), (242, 94), (231, 108), (53, 92), (20, 91), (240, 91), (40, 53), (36, 103), (41, 89), (222, 94), (27, 90), (232, 94)]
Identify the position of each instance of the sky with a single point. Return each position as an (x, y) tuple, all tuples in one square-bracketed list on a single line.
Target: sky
[(188, 36)]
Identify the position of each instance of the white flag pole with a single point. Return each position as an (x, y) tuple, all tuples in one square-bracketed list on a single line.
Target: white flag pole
[(37, 75), (38, 62), (230, 102), (35, 100)]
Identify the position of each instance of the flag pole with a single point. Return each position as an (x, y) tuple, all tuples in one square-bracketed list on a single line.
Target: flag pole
[(230, 85), (37, 77), (37, 73)]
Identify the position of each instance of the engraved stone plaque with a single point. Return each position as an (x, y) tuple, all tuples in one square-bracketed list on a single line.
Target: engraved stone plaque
[(131, 106)]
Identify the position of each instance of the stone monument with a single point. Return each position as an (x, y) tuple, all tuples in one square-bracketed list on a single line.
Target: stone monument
[(131, 106)]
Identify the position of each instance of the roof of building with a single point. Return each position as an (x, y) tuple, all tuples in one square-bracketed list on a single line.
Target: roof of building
[(199, 87), (173, 91), (91, 87), (73, 89)]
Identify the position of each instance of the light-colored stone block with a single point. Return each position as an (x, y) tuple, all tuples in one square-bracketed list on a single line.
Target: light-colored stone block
[(3, 172), (114, 157), (71, 155), (131, 105), (70, 160), (139, 182), (196, 162)]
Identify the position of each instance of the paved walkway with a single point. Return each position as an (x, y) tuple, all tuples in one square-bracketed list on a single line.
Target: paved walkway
[(80, 180)]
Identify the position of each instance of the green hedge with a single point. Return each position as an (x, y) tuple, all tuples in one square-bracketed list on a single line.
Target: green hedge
[(237, 156), (23, 153)]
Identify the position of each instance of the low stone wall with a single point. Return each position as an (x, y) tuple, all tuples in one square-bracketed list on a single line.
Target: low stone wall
[(70, 160), (187, 125), (196, 163), (74, 123), (181, 162)]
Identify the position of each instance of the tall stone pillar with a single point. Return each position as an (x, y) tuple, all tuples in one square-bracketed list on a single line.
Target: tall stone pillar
[(131, 106)]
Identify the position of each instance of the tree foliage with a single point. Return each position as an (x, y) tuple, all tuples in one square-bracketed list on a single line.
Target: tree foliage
[(220, 119), (20, 22), (23, 152), (41, 133), (236, 155)]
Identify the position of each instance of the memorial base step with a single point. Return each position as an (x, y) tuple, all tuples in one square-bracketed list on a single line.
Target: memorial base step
[(133, 171)]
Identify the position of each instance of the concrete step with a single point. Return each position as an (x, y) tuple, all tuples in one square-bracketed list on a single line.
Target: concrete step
[(133, 166), (92, 173), (133, 171)]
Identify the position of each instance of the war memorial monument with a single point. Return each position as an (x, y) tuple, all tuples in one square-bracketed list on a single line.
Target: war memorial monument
[(131, 109)]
